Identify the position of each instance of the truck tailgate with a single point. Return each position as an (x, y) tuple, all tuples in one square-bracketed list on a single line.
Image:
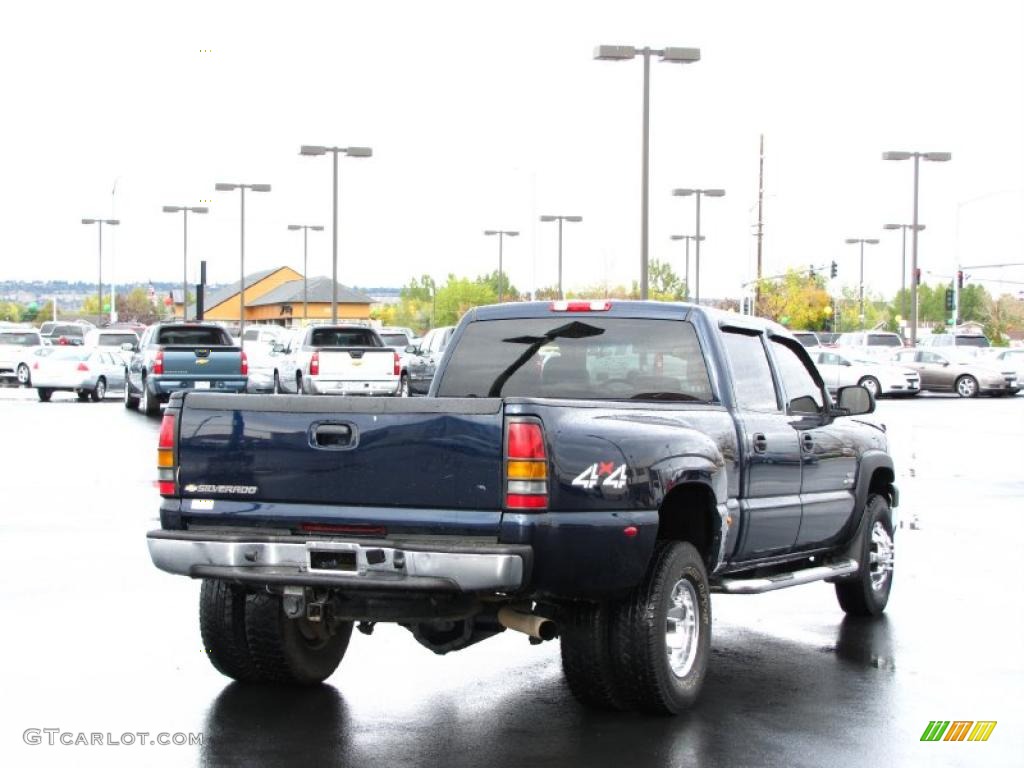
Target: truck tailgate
[(395, 452), (357, 364), (205, 362)]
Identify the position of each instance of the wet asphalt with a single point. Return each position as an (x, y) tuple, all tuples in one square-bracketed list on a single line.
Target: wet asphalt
[(95, 640)]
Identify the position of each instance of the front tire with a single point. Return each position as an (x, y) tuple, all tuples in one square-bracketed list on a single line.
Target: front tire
[(292, 651), (44, 394), (967, 386), (222, 625), (24, 375), (100, 391), (661, 633), (870, 383), (867, 593)]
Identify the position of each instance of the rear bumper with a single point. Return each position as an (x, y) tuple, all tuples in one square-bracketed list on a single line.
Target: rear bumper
[(323, 386), (345, 564), (168, 386)]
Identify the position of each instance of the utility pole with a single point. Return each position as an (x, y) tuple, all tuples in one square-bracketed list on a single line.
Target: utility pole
[(760, 224)]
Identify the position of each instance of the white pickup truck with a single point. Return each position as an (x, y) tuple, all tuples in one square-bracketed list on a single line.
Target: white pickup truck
[(340, 360)]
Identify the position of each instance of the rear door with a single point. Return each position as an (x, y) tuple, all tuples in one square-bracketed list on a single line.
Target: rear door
[(770, 495)]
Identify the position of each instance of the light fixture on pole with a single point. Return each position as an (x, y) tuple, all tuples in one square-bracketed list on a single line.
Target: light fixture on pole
[(671, 55), (935, 157), (862, 240), (186, 210), (312, 151), (687, 238), (220, 187), (305, 261), (903, 268), (502, 234), (99, 227), (560, 219), (698, 193)]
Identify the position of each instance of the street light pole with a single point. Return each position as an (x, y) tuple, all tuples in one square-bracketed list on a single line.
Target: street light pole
[(501, 233), (305, 264), (185, 210), (560, 219), (903, 268), (937, 157), (312, 150), (99, 226), (698, 193), (687, 238), (862, 240), (673, 55), (221, 187)]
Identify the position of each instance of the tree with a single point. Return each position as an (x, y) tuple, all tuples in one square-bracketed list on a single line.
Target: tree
[(797, 300), (10, 311), (135, 306), (663, 284), (1001, 316), (508, 291), (461, 294)]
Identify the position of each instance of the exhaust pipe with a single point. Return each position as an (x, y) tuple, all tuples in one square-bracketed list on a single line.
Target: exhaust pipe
[(527, 623)]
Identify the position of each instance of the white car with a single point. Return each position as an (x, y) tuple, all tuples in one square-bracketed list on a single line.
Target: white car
[(840, 369), (879, 345), (88, 372), (114, 339), (1010, 359), (17, 347)]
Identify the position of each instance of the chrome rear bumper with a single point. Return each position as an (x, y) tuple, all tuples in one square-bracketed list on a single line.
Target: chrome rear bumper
[(339, 563)]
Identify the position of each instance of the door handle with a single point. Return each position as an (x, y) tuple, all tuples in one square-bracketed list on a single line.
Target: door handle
[(807, 441), (334, 437), (760, 442)]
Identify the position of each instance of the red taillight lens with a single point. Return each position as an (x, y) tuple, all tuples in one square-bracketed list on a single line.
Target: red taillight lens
[(158, 362), (35, 366), (314, 364), (580, 306), (398, 365), (245, 364), (82, 367), (526, 466), (166, 468)]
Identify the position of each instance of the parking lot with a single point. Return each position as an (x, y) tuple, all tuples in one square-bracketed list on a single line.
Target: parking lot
[(98, 641)]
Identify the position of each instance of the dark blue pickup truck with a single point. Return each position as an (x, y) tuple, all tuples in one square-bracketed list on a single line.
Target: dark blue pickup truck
[(591, 471)]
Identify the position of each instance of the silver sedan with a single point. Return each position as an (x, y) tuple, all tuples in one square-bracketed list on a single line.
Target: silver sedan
[(89, 373)]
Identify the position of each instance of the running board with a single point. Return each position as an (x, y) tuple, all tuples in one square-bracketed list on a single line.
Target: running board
[(782, 580)]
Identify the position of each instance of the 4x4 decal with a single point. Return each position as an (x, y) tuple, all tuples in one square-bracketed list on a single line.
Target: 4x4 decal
[(613, 476)]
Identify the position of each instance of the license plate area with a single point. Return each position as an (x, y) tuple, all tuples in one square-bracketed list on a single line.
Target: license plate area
[(332, 561), (201, 385)]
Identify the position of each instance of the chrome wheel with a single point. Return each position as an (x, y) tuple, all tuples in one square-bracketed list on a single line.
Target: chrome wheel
[(100, 391), (23, 375), (881, 556), (966, 386), (871, 385), (403, 387), (682, 628)]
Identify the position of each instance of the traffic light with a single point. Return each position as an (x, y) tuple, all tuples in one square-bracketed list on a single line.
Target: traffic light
[(960, 279), (835, 269), (746, 306), (811, 272), (917, 276), (949, 300)]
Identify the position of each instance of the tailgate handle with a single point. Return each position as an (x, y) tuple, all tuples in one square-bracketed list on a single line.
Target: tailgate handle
[(334, 436)]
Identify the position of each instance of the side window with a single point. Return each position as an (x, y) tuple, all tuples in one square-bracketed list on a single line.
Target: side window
[(827, 358), (801, 389), (751, 375)]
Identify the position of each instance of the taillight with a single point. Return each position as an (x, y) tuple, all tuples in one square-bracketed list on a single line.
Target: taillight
[(580, 306), (314, 364), (245, 364), (158, 362), (35, 366), (398, 365), (82, 367), (165, 459), (526, 466)]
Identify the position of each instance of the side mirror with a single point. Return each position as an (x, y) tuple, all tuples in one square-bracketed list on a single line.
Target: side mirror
[(855, 401), (412, 350), (277, 347), (805, 404), (847, 363), (127, 347)]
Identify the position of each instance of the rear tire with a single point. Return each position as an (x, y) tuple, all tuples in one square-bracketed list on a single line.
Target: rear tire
[(131, 403), (403, 386), (24, 375), (966, 386), (222, 625), (277, 383), (100, 391), (292, 651), (673, 602), (44, 394), (870, 383), (82, 395), (867, 593), (148, 403), (587, 657)]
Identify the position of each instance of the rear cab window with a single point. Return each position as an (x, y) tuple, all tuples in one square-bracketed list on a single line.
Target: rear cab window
[(193, 336), (884, 340), (589, 358), (344, 337), (20, 339)]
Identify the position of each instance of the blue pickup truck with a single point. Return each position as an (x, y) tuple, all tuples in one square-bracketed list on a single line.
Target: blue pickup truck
[(591, 471)]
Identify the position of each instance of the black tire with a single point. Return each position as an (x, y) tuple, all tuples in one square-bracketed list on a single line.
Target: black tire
[(82, 395), (585, 636), (867, 593), (44, 394), (872, 385), (639, 629), (24, 375), (148, 403), (130, 402), (277, 383), (282, 648), (966, 386), (403, 386), (100, 391), (298, 384), (222, 625)]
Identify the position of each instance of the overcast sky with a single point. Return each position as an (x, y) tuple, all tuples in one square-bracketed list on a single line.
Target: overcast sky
[(487, 115)]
